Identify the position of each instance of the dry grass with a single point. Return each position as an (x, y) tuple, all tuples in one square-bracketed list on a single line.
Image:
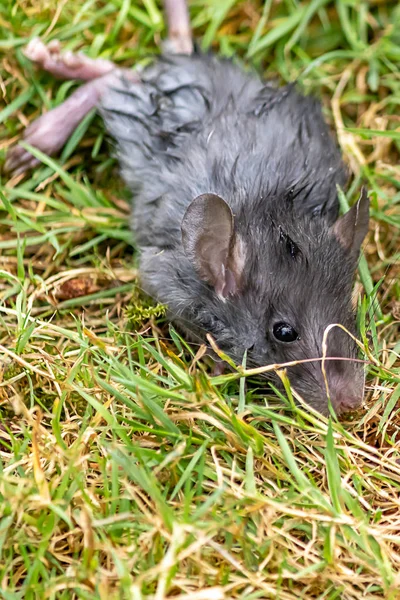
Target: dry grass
[(126, 470)]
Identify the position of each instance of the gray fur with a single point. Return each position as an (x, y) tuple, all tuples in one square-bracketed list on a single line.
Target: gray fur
[(199, 125)]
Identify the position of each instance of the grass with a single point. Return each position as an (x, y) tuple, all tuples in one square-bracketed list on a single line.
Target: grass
[(127, 471)]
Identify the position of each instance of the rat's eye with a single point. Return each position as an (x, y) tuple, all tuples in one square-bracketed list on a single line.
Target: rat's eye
[(285, 332)]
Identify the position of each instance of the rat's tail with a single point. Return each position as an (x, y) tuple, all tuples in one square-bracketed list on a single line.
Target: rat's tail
[(179, 31)]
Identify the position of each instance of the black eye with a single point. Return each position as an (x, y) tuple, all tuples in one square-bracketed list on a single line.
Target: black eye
[(285, 332)]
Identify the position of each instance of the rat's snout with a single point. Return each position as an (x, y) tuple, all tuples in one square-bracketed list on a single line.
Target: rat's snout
[(344, 401), (345, 378), (346, 394), (345, 382)]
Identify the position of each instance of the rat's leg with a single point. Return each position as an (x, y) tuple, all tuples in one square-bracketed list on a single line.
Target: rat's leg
[(179, 30), (66, 65), (50, 132)]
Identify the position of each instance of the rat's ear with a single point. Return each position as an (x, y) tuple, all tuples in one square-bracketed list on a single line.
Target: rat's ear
[(210, 242), (352, 227)]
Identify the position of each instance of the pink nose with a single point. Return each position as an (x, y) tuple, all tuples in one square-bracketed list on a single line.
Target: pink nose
[(346, 402)]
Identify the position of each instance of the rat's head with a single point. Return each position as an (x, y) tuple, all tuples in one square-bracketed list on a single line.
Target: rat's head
[(273, 288)]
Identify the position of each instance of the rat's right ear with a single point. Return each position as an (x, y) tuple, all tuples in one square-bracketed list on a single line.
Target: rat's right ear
[(351, 229), (210, 242)]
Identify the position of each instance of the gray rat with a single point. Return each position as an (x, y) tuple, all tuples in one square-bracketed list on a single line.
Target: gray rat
[(235, 213)]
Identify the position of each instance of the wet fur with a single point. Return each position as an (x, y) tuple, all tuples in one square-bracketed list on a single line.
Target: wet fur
[(199, 124)]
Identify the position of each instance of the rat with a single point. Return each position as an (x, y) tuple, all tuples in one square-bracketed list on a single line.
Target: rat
[(235, 206)]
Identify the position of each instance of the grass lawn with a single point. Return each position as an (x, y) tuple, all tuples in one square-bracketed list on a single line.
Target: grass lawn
[(127, 471)]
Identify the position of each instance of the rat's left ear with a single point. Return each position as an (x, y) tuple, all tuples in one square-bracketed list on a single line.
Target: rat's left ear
[(211, 244), (351, 229)]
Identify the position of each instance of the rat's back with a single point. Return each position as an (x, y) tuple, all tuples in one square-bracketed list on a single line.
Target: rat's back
[(200, 124)]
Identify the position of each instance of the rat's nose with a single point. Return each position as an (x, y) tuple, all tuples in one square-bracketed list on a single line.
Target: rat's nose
[(346, 401)]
